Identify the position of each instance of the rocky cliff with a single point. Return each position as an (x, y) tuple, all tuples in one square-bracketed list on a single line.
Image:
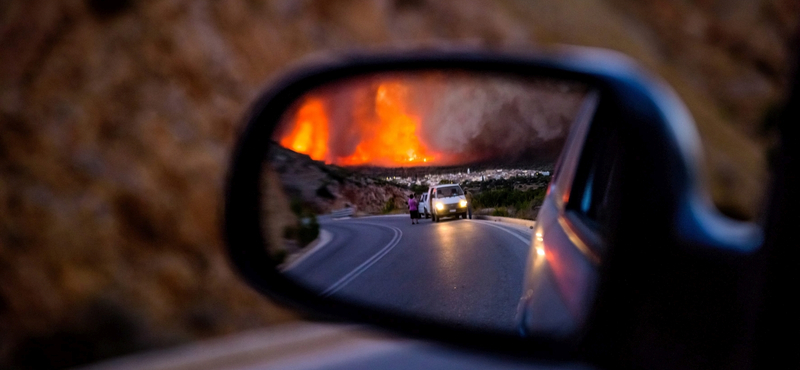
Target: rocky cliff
[(324, 188)]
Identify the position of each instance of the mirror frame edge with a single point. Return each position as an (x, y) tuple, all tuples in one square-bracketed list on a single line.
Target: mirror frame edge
[(242, 219)]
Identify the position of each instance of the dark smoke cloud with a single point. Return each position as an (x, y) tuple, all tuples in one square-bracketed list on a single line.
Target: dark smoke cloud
[(496, 118)]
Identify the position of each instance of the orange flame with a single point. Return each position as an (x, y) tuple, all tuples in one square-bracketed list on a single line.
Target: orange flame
[(310, 132), (392, 139), (389, 137)]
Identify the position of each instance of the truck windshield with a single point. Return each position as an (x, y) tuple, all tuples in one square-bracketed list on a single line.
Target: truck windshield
[(450, 191)]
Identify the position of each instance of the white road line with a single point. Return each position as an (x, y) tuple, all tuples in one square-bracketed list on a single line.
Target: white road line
[(366, 264), (324, 238), (406, 215), (527, 242)]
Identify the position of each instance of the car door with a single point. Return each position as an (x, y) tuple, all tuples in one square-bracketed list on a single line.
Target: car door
[(561, 267)]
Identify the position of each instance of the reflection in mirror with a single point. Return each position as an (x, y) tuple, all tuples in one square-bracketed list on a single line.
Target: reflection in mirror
[(349, 160)]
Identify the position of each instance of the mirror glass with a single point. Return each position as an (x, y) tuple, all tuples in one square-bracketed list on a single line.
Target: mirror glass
[(476, 153)]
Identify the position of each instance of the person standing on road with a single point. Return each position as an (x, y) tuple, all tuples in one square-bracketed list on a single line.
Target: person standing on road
[(413, 208), (468, 195)]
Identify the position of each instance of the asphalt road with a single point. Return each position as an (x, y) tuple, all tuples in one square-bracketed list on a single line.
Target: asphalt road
[(462, 271)]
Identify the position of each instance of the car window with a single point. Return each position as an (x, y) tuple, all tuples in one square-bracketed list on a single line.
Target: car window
[(567, 163), (590, 194)]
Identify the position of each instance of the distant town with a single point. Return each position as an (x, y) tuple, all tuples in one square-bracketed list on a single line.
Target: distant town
[(466, 176)]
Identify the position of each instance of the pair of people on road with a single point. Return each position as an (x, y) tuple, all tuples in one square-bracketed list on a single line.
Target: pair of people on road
[(413, 208)]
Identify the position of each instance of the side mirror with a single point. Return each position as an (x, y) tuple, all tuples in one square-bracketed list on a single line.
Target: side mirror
[(613, 252)]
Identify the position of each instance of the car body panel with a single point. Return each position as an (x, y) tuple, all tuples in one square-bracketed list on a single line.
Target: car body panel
[(561, 271), (424, 209)]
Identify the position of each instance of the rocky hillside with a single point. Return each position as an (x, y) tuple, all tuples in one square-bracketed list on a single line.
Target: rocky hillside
[(117, 120), (324, 188), (296, 187)]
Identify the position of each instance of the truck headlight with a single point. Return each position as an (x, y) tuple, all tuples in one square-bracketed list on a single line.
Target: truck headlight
[(462, 203), (439, 206)]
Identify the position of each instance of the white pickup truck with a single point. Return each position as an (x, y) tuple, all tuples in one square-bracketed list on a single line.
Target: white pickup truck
[(444, 201)]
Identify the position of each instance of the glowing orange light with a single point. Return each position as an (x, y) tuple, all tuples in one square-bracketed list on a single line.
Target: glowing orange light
[(309, 135), (393, 138), (388, 136)]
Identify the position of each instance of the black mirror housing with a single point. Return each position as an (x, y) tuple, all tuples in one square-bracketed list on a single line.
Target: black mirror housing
[(663, 287)]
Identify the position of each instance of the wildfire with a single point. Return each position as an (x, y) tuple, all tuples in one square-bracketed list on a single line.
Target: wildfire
[(309, 135), (388, 136), (392, 139)]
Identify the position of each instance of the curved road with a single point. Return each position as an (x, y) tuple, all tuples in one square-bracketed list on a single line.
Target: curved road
[(462, 271)]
